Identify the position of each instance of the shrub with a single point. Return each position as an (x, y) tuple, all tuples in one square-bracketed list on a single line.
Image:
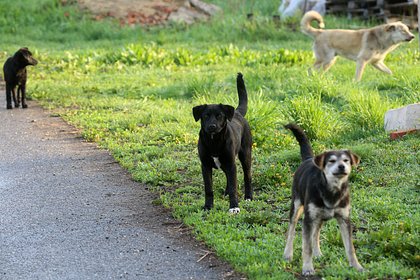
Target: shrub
[(318, 119)]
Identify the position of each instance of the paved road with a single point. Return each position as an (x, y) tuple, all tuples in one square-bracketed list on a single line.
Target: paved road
[(68, 211)]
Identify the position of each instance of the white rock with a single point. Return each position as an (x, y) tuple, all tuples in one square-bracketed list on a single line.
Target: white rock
[(403, 119)]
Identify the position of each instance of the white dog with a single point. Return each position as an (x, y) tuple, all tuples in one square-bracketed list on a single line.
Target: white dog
[(363, 46)]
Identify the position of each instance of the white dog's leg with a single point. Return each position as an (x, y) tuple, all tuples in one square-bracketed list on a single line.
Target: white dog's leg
[(326, 66), (380, 65), (360, 67)]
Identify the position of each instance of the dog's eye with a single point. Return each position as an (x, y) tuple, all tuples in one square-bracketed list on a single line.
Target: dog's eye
[(332, 161), (346, 160), (206, 117), (219, 117)]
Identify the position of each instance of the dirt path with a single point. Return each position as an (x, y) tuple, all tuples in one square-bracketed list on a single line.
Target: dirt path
[(68, 211)]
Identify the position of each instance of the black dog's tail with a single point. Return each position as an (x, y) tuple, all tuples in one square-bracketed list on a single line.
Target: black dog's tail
[(305, 145), (242, 94)]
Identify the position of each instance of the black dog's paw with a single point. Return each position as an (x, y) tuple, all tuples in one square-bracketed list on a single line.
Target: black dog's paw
[(9, 107), (235, 210), (249, 197), (24, 106), (207, 207)]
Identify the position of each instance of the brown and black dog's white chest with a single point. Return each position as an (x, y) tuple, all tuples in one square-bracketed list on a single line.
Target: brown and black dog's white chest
[(324, 207), (316, 195)]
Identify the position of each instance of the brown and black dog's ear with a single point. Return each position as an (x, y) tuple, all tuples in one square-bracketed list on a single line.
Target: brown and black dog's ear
[(198, 111), (228, 110), (319, 161), (355, 159)]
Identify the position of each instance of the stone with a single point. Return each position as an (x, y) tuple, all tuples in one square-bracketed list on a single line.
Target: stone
[(403, 119)]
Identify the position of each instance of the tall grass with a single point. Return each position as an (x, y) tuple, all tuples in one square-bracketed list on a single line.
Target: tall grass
[(320, 120), (366, 110)]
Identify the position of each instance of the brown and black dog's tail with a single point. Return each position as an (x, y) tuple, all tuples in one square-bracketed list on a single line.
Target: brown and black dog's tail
[(305, 145), (242, 94)]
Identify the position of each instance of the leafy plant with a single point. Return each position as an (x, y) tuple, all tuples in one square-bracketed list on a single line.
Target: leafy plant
[(320, 120)]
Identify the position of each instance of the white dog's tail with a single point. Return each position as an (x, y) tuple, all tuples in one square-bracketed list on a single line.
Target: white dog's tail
[(305, 23)]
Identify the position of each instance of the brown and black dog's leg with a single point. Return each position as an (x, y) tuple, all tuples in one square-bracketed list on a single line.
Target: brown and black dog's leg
[(315, 240), (345, 228), (296, 210), (307, 236), (9, 96)]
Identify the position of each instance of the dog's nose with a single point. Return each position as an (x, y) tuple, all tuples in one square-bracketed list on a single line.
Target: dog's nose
[(212, 127), (341, 167)]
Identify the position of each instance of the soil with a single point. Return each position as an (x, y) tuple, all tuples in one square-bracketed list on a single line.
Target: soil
[(131, 12)]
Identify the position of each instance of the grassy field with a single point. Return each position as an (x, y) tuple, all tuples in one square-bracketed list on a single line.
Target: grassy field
[(132, 91)]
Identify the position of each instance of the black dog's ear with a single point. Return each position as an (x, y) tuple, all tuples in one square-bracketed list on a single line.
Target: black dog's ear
[(19, 53), (228, 110), (319, 161), (198, 111), (355, 159), (22, 51)]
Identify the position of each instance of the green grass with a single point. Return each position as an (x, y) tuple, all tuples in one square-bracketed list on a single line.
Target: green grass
[(132, 90)]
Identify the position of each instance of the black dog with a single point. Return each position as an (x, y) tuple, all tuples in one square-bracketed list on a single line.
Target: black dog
[(224, 134), (15, 75), (320, 187)]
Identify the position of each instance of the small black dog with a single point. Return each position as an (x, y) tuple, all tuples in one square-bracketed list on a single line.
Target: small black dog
[(320, 187), (224, 134), (15, 75)]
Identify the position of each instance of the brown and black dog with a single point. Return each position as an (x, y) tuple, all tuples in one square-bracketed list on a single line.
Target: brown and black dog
[(320, 190), (225, 134), (15, 74)]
